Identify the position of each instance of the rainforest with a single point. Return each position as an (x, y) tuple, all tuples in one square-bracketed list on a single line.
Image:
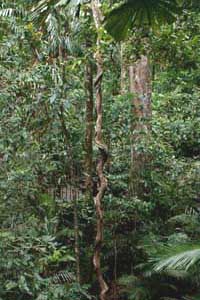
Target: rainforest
[(99, 150)]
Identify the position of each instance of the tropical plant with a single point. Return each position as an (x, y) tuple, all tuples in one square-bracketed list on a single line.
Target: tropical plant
[(135, 13), (48, 59)]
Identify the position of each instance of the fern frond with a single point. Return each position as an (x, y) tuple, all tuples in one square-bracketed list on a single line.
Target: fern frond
[(6, 12), (63, 277)]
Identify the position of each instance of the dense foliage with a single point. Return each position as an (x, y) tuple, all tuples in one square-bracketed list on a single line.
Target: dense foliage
[(151, 237)]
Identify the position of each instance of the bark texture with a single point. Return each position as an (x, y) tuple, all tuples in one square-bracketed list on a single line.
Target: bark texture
[(103, 154), (140, 86), (123, 71)]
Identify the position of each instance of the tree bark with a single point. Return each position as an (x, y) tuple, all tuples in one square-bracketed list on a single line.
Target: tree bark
[(123, 72), (140, 86), (103, 154)]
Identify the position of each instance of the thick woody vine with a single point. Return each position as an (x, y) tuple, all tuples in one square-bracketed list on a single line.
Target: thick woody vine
[(97, 16)]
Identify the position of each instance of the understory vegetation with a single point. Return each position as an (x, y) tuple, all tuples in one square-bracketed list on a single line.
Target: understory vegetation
[(99, 150)]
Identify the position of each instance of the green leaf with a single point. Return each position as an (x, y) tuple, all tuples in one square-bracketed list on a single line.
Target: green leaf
[(139, 13)]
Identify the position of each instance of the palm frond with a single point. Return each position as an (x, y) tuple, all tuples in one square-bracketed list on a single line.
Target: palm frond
[(139, 13), (63, 277), (17, 11), (6, 12), (58, 20), (181, 258), (44, 7)]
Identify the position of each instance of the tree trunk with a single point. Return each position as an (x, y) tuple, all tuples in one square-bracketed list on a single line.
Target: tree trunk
[(103, 154), (123, 72), (76, 237), (140, 86), (89, 130)]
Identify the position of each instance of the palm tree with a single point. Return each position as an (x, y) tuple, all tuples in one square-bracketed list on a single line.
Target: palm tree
[(134, 13), (56, 20), (47, 11)]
